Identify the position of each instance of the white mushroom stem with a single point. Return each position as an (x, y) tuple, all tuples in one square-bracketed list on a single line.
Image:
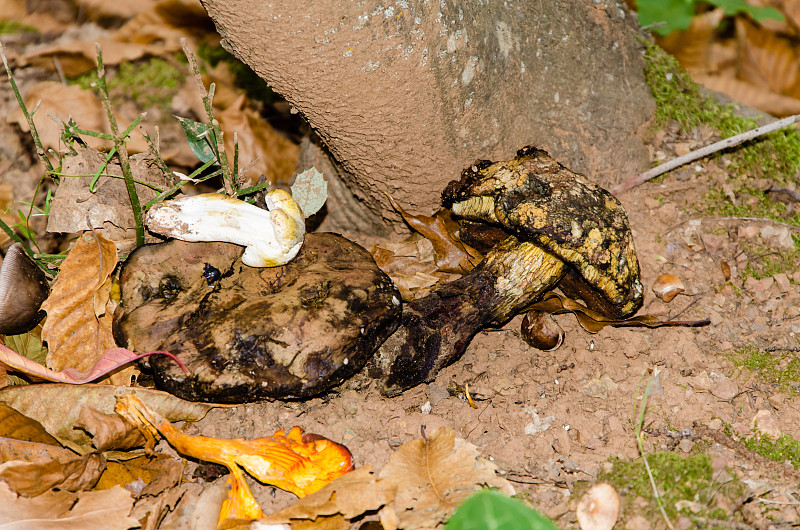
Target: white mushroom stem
[(271, 238)]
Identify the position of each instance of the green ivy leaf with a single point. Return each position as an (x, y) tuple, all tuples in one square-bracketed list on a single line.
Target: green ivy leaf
[(200, 137), (310, 191), (670, 15), (491, 510)]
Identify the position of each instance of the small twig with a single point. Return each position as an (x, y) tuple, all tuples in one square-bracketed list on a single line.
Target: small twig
[(122, 150), (704, 151)]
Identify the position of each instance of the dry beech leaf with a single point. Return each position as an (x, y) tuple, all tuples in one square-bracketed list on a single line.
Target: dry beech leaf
[(17, 426), (757, 97), (43, 467), (104, 10), (76, 337), (61, 101), (109, 431), (293, 462), (57, 407), (592, 321), (94, 510), (410, 265), (434, 475), (261, 149), (768, 59), (349, 496), (159, 472), (450, 254)]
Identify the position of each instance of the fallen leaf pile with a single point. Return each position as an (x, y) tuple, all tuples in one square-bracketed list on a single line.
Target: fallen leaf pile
[(758, 63)]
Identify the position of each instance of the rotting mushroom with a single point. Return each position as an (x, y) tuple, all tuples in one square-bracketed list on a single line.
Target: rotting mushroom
[(271, 237), (23, 288), (247, 333), (563, 228)]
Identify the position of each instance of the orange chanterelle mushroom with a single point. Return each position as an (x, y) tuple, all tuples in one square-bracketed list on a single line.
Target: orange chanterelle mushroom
[(301, 464)]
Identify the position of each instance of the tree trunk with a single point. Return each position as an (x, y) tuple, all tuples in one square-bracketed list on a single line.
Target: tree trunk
[(405, 94)]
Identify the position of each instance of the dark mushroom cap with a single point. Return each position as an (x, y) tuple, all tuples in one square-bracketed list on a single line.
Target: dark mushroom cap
[(250, 333), (23, 288), (541, 201)]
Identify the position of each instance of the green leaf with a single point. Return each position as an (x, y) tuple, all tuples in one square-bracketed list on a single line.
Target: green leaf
[(670, 15), (310, 191), (200, 137), (758, 13), (491, 510), (28, 345)]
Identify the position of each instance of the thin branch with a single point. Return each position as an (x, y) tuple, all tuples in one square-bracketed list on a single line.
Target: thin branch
[(704, 151), (28, 115), (122, 149)]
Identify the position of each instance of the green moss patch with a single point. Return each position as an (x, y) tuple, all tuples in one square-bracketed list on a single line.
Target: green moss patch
[(706, 494), (778, 368), (784, 449)]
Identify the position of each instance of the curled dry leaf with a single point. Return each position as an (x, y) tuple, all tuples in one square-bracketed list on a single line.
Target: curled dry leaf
[(301, 464), (350, 495), (106, 509), (58, 407), (15, 425), (38, 467), (434, 475), (592, 321), (667, 287), (78, 328), (598, 509)]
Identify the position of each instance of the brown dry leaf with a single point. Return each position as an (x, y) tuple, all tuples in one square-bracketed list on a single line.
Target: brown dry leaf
[(108, 211), (104, 10), (76, 337), (449, 253), (109, 431), (62, 102), (768, 59), (150, 511), (350, 495), (167, 22), (261, 149), (592, 321), (40, 452), (410, 265), (79, 57), (760, 98), (58, 406), (434, 476), (46, 466), (159, 472), (692, 46), (7, 209), (95, 510), (15, 425)]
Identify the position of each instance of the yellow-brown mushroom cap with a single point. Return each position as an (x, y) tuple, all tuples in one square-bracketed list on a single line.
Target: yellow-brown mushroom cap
[(541, 201)]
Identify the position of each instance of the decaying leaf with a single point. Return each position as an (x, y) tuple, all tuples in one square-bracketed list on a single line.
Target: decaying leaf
[(62, 102), (108, 210), (350, 495), (592, 321), (58, 406), (262, 150), (109, 431), (107, 509), (410, 265), (15, 425), (450, 253), (37, 468), (310, 191), (434, 475), (293, 462), (76, 336), (155, 472), (110, 361)]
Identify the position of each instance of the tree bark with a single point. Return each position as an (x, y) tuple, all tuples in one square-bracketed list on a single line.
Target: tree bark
[(405, 94)]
